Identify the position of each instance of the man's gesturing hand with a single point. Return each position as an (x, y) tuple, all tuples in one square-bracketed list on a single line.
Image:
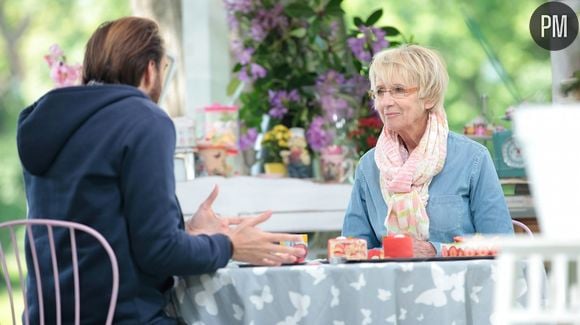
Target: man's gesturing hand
[(206, 221), (255, 246)]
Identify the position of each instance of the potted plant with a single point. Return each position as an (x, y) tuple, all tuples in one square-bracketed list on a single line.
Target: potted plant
[(273, 143), (298, 65), (297, 157)]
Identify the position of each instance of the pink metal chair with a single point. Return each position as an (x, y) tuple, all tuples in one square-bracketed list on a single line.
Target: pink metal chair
[(525, 228), (72, 227)]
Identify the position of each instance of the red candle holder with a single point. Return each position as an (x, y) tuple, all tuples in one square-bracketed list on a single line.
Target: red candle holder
[(397, 246)]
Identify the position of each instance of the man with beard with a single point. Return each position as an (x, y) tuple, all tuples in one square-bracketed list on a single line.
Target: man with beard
[(101, 154)]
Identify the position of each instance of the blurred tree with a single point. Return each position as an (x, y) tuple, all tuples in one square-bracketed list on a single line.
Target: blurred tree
[(168, 15), (11, 36), (11, 32), (13, 27), (27, 29)]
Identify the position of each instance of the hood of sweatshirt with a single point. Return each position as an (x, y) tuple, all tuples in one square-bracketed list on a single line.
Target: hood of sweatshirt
[(45, 126)]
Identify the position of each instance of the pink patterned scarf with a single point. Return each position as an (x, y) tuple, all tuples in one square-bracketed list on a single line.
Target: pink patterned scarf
[(405, 178)]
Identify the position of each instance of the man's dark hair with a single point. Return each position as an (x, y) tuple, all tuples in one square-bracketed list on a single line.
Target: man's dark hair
[(119, 51)]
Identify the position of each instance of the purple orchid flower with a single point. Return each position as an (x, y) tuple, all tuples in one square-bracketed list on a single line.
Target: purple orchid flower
[(317, 136), (248, 139), (280, 100)]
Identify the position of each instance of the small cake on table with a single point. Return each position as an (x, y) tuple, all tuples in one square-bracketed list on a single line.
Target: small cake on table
[(347, 249)]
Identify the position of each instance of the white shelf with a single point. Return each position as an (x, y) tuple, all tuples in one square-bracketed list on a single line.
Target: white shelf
[(297, 205)]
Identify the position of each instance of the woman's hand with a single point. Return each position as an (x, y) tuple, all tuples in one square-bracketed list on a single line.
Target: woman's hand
[(423, 248), (252, 245), (206, 221)]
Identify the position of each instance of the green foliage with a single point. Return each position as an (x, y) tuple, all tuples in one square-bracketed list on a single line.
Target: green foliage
[(299, 10), (46, 27), (11, 184), (440, 24)]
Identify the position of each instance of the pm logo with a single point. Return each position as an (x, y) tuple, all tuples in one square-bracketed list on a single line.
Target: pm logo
[(554, 26)]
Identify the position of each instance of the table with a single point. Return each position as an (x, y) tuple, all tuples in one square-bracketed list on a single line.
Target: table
[(441, 292)]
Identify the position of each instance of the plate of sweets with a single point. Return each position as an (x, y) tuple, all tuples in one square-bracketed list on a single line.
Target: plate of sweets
[(399, 248), (354, 250), (473, 246)]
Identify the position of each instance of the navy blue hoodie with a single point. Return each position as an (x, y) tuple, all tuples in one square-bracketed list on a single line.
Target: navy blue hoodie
[(103, 156)]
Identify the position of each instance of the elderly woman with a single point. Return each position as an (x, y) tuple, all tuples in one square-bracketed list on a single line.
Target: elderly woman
[(421, 179)]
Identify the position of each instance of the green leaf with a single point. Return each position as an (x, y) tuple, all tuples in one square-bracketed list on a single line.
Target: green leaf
[(299, 10), (358, 22), (354, 33), (321, 43), (314, 28), (298, 32), (232, 86), (335, 58), (391, 31), (333, 8), (292, 49), (374, 17), (334, 3), (357, 65), (237, 67), (394, 44)]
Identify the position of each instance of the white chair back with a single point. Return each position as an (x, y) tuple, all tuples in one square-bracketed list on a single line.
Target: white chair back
[(551, 272)]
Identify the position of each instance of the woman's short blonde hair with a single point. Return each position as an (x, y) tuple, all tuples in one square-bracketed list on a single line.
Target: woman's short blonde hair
[(415, 66)]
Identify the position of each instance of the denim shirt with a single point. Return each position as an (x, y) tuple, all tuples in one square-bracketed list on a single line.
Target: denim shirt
[(464, 198)]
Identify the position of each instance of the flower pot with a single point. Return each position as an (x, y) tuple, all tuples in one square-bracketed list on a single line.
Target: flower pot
[(248, 161), (335, 165), (297, 170), (275, 169)]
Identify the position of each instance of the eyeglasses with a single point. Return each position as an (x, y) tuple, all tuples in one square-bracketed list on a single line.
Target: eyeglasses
[(397, 92)]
